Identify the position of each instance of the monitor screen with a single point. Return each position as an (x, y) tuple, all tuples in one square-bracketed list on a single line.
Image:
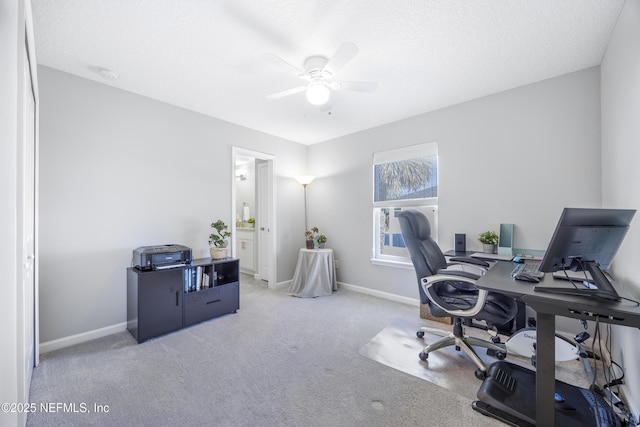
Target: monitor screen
[(586, 236)]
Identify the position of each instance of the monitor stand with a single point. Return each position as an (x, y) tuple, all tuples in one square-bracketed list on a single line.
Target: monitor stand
[(601, 287), (509, 395)]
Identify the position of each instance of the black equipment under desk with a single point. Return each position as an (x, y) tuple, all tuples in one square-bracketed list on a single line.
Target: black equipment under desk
[(547, 306)]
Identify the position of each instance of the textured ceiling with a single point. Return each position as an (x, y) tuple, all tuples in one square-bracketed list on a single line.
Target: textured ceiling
[(208, 55)]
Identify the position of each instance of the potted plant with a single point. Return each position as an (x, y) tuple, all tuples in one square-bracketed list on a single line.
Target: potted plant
[(311, 236), (322, 239), (489, 240), (218, 241), (251, 222)]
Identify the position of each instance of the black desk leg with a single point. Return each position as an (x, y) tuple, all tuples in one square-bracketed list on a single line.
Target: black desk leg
[(545, 370)]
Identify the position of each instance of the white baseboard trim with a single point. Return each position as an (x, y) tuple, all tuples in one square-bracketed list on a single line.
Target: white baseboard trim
[(284, 284), (380, 294), (48, 346)]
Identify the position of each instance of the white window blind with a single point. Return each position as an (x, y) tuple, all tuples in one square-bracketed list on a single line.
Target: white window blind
[(406, 176)]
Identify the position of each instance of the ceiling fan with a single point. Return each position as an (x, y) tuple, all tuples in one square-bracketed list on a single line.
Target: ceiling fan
[(319, 72)]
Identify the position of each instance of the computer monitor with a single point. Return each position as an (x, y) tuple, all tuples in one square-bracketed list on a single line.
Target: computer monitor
[(586, 235), (587, 239)]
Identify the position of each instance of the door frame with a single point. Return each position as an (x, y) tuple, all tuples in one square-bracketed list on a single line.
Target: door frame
[(271, 191)]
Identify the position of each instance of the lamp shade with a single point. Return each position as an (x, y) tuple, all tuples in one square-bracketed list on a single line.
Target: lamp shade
[(305, 179), (317, 93)]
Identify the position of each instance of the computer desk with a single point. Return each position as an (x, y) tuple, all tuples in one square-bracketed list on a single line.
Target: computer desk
[(547, 306)]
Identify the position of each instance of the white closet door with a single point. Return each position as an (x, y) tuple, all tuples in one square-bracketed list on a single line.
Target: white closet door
[(28, 182)]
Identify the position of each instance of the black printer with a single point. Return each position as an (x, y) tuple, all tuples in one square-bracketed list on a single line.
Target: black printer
[(161, 256)]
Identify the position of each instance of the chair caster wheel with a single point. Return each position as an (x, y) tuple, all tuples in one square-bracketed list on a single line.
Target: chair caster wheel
[(480, 374), (423, 356), (420, 334), (500, 355), (495, 340)]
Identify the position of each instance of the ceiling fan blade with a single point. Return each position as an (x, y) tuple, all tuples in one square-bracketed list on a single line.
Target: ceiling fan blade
[(287, 92), (279, 62), (355, 86), (343, 55)]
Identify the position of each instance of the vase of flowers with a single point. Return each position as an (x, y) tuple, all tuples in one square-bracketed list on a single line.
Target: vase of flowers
[(311, 236), (489, 240)]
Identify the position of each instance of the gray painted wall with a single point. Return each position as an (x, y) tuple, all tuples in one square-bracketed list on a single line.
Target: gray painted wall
[(519, 157), (620, 172), (120, 171)]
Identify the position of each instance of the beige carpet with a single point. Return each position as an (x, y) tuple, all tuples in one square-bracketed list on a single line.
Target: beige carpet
[(397, 346)]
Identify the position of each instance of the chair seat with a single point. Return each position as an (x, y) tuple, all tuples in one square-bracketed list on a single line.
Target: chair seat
[(498, 308)]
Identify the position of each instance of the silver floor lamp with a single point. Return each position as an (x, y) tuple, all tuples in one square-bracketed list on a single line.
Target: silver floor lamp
[(305, 180)]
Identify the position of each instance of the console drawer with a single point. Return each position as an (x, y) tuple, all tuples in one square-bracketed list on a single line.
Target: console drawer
[(209, 303)]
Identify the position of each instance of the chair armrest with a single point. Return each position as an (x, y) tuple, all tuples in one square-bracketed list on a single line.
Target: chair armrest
[(480, 270), (458, 273), (428, 282)]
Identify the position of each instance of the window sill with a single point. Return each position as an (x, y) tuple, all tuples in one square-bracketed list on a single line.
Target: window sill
[(405, 265)]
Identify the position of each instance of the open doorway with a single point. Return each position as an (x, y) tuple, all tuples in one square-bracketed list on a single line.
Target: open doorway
[(253, 213)]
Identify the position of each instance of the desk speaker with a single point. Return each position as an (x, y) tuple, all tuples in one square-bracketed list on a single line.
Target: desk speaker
[(460, 243)]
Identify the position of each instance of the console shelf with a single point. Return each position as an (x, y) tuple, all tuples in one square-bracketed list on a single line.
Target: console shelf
[(163, 301)]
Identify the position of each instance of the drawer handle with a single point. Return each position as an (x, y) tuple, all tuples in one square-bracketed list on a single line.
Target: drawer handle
[(211, 302)]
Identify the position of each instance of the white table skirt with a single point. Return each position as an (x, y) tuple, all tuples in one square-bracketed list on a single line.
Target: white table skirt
[(315, 274)]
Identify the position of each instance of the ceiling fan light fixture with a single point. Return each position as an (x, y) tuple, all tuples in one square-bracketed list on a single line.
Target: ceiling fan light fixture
[(318, 74), (318, 93)]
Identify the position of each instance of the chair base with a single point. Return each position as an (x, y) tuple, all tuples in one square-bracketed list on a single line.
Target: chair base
[(464, 343)]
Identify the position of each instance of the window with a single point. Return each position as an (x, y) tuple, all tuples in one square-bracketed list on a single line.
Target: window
[(402, 179)]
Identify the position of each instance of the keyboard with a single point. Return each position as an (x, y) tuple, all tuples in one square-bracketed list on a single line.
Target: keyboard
[(531, 268)]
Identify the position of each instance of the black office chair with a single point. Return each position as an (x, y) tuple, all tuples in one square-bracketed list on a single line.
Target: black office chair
[(449, 290)]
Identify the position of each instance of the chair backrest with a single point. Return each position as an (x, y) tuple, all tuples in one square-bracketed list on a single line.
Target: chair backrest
[(426, 256)]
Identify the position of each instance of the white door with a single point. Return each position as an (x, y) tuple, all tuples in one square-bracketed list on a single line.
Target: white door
[(264, 220), (27, 173)]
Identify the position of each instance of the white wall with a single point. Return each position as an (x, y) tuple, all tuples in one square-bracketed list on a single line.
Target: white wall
[(519, 157), (118, 171), (621, 173)]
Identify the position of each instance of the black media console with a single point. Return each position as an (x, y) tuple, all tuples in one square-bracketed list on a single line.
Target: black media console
[(162, 301)]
